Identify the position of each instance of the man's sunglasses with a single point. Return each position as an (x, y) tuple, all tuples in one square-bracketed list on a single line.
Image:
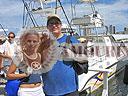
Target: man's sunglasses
[(10, 36), (54, 22)]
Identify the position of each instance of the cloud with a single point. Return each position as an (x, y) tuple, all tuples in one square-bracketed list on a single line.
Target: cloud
[(107, 1), (10, 7), (11, 13), (114, 12)]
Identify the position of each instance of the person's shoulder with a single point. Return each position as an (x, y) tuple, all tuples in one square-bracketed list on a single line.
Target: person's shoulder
[(14, 43), (64, 36), (74, 39), (6, 42), (17, 58)]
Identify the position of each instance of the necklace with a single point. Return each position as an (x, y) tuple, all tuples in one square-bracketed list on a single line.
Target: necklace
[(35, 65), (29, 56)]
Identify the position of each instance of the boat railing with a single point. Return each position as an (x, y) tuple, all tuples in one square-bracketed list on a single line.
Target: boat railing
[(105, 79), (96, 60)]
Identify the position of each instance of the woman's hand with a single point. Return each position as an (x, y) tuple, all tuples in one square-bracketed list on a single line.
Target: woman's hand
[(12, 75)]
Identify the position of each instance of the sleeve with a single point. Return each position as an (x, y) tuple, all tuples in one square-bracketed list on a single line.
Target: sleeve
[(74, 40), (2, 48), (17, 58)]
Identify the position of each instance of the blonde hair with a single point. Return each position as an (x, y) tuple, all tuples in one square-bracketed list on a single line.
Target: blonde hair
[(25, 35)]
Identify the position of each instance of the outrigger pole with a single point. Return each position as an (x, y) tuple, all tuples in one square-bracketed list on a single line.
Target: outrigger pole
[(66, 17), (4, 30), (30, 15)]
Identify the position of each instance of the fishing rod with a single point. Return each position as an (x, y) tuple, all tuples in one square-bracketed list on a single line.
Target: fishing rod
[(4, 30), (66, 17)]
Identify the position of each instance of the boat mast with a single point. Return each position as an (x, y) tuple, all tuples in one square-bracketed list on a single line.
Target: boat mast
[(26, 6), (41, 4), (90, 21), (3, 29)]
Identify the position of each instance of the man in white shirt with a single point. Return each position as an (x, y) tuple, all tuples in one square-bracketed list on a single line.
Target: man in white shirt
[(8, 49)]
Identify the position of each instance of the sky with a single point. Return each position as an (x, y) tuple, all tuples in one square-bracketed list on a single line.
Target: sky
[(113, 12)]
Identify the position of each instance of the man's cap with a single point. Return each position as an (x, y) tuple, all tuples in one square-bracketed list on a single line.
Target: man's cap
[(53, 17)]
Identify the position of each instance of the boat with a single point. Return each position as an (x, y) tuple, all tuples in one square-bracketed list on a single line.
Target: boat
[(106, 55), (107, 58)]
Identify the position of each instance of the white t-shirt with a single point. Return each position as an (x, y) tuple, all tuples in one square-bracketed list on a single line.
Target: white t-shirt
[(8, 49)]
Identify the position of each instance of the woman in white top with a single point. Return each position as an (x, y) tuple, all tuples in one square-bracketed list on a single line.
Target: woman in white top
[(28, 61)]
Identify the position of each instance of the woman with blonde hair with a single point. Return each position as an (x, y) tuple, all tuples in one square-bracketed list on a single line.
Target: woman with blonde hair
[(28, 61)]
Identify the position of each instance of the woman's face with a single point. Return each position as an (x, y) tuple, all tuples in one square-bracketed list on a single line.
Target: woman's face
[(32, 41)]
